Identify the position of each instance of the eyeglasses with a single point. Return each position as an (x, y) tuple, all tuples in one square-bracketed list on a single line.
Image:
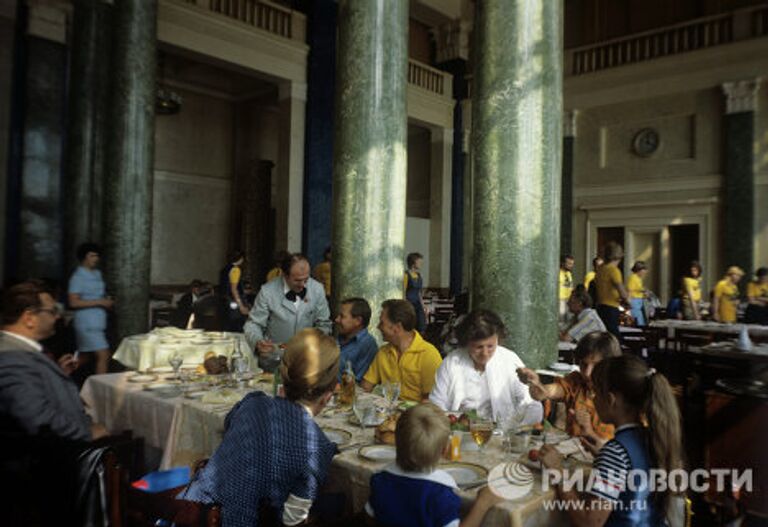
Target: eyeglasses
[(53, 311)]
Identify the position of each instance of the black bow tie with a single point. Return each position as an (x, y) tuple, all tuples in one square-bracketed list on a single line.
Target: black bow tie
[(291, 295)]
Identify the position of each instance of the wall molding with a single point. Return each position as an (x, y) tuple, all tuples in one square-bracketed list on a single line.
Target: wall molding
[(184, 178)]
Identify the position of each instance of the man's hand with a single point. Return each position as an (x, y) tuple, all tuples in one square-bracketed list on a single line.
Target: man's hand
[(244, 310), (67, 363), (550, 457), (265, 347), (107, 303), (584, 420), (592, 443)]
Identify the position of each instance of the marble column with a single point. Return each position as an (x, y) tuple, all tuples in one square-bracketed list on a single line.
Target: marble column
[(516, 139), (566, 195), (318, 151), (86, 138), (130, 162), (370, 151), (739, 174)]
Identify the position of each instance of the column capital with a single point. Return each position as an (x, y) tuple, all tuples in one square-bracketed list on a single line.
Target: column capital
[(741, 96), (452, 40), (569, 123), (292, 90)]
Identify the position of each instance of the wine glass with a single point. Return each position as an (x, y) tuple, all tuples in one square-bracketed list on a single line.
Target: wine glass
[(175, 360), (481, 430), (391, 393), (363, 410)]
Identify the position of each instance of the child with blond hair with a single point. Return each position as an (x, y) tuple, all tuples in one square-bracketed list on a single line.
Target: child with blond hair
[(413, 492)]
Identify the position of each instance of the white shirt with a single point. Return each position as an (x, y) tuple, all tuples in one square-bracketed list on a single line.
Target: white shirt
[(508, 398), (285, 292), (28, 341), (477, 396)]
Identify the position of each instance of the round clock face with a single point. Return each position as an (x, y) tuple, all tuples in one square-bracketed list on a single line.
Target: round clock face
[(646, 142)]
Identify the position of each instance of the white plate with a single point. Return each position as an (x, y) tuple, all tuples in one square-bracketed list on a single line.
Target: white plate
[(562, 366), (161, 369), (378, 453), (510, 480), (195, 395), (338, 436), (142, 378), (465, 473)]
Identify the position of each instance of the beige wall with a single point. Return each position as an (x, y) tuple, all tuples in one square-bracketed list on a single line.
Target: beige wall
[(193, 169)]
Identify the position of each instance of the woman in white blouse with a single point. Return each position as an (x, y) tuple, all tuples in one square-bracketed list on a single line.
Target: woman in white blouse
[(481, 375)]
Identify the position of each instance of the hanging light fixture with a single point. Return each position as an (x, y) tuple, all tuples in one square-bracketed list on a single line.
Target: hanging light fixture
[(167, 101)]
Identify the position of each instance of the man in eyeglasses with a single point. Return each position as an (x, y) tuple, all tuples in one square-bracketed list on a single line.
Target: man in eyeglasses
[(29, 315)]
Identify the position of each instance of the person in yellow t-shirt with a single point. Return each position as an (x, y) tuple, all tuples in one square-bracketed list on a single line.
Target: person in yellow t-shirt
[(565, 283), (637, 292), (596, 263), (610, 288), (406, 357), (757, 296), (725, 299), (277, 271), (322, 272), (692, 292)]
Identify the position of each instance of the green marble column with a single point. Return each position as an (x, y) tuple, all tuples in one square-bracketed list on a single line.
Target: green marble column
[(370, 151), (88, 90), (128, 179), (516, 141), (739, 176)]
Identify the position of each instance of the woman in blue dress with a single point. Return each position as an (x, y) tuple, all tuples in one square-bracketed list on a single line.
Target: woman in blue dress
[(274, 458), (413, 285), (87, 297)]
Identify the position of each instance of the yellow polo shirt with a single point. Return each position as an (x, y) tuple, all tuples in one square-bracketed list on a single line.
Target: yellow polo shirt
[(414, 370), (274, 273), (728, 300), (607, 279), (635, 286), (323, 275), (566, 284), (694, 284), (757, 290), (588, 279)]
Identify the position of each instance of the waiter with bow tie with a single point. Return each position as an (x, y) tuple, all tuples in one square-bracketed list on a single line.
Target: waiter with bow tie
[(285, 306)]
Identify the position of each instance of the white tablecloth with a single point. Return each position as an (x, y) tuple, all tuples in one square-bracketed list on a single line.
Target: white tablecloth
[(755, 330), (189, 430), (145, 351)]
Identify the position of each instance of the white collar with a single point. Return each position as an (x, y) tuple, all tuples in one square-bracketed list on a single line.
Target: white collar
[(33, 343), (436, 476)]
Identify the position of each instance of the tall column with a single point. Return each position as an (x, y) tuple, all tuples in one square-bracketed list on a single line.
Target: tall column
[(370, 151), (318, 158), (290, 165), (84, 159), (441, 142), (516, 138), (129, 176), (739, 174), (566, 195)]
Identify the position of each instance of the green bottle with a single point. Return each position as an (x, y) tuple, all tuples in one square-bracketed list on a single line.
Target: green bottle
[(277, 382)]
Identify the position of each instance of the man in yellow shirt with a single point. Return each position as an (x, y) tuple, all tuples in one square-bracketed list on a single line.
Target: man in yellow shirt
[(322, 272), (406, 357), (610, 288), (596, 263), (725, 301), (566, 285)]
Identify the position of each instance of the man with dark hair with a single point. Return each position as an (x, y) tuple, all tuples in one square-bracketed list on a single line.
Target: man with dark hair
[(358, 348), (185, 306), (36, 395), (406, 358), (284, 307), (585, 319)]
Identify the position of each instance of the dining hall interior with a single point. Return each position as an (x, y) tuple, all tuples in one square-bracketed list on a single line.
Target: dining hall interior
[(254, 251)]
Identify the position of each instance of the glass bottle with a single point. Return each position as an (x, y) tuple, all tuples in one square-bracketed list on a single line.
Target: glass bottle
[(347, 396)]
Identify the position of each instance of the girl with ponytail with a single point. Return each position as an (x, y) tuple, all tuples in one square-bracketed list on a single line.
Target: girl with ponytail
[(639, 402)]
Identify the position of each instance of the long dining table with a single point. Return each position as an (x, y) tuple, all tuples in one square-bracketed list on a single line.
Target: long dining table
[(186, 427)]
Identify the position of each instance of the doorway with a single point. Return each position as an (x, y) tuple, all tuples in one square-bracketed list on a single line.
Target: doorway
[(683, 247)]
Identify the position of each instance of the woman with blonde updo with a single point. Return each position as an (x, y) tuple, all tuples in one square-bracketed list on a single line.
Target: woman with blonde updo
[(274, 457)]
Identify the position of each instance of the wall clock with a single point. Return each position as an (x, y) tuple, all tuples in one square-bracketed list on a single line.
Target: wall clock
[(646, 142)]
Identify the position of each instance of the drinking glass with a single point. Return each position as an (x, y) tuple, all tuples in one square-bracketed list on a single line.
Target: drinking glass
[(363, 409), (481, 430), (175, 360), (392, 393)]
